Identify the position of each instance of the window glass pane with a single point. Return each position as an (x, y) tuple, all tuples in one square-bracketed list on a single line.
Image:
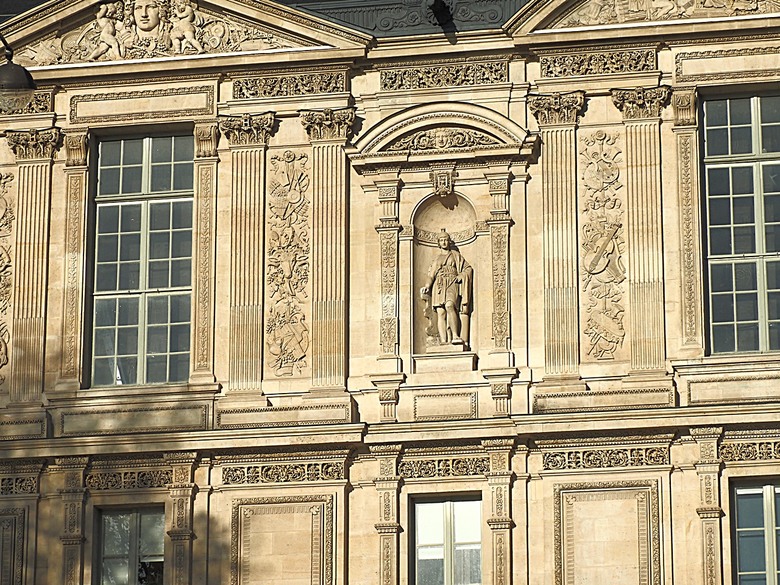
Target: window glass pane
[(770, 109), (430, 523), (116, 534), (131, 179), (770, 138), (130, 247), (129, 275), (180, 309), (718, 182), (722, 338), (181, 272), (773, 275), (741, 141), (115, 572), (739, 111), (105, 279), (157, 339), (131, 218), (108, 182), (109, 153), (158, 274), (104, 341), (182, 177), (466, 562), (179, 367), (772, 207), (770, 176), (750, 510), (717, 142), (156, 369), (430, 566), (721, 278), (720, 211), (150, 540), (107, 248), (747, 307), (108, 219), (128, 311), (103, 374), (752, 580), (742, 180), (722, 308), (127, 370), (743, 210), (183, 148), (720, 241), (105, 312), (150, 573), (715, 113), (750, 551), (182, 215), (157, 309), (747, 337), (467, 521), (745, 240), (132, 152), (162, 149), (181, 244), (159, 245), (774, 336), (161, 178), (127, 341), (745, 276)]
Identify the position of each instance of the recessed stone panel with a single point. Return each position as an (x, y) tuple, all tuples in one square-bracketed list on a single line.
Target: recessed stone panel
[(606, 400), (130, 419), (445, 406)]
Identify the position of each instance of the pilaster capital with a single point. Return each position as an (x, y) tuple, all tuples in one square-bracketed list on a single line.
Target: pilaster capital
[(388, 527), (34, 144), (76, 149), (642, 102), (248, 130), (206, 138), (557, 108), (709, 512), (684, 105), (328, 124)]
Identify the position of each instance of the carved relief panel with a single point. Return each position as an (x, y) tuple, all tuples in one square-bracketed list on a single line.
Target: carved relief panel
[(7, 218)]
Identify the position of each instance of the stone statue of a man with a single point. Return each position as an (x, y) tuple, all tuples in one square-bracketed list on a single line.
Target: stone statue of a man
[(448, 289)]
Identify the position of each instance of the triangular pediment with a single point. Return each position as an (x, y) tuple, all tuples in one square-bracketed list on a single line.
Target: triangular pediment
[(83, 31), (606, 12)]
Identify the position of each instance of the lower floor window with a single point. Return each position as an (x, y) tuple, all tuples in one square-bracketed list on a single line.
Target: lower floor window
[(131, 547), (757, 527), (448, 548)]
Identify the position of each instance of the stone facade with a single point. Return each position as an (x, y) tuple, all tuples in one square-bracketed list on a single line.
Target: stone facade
[(429, 261)]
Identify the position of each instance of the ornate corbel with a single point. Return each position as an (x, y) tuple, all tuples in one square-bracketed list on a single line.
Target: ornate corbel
[(443, 179), (206, 139), (76, 149), (684, 105)]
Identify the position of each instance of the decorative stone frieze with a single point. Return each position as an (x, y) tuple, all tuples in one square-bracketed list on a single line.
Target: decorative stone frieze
[(557, 108), (756, 450), (328, 124), (181, 28), (605, 458), (641, 103), (602, 247), (128, 480), (283, 473), (34, 144), (41, 104), (300, 84), (600, 63), (444, 75), (247, 129), (76, 149), (443, 139), (443, 467), (288, 264), (206, 139)]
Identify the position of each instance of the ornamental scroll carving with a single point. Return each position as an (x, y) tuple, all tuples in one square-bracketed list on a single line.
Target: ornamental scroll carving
[(618, 11), (287, 335), (389, 325), (575, 64), (142, 29), (328, 124), (41, 104), (289, 85), (34, 144), (750, 451), (7, 217), (22, 485), (449, 467), (247, 129), (128, 480), (282, 473), (443, 139), (641, 102), (444, 75), (603, 246), (605, 458), (557, 108)]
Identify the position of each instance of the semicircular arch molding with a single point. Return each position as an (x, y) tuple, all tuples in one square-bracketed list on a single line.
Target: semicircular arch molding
[(482, 126)]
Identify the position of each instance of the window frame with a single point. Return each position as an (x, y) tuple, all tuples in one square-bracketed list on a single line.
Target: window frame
[(145, 198), (759, 258), (770, 494), (449, 544)]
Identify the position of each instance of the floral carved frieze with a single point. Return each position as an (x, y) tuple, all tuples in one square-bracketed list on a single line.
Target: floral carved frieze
[(34, 144), (443, 467), (605, 458), (603, 246), (289, 85), (595, 12), (140, 29), (328, 124), (41, 104), (21, 485), (287, 276), (750, 451), (444, 75), (247, 129), (641, 102), (282, 473), (575, 64), (443, 139), (128, 480), (557, 108)]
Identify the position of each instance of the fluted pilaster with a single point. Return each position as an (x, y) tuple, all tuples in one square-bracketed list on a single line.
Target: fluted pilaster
[(328, 131), (641, 110), (248, 136), (34, 152), (557, 117)]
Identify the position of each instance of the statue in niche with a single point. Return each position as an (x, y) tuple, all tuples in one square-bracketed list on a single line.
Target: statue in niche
[(447, 291)]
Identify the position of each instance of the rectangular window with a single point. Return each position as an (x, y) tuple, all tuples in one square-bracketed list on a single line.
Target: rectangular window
[(742, 186), (448, 542), (131, 547), (143, 261), (757, 534)]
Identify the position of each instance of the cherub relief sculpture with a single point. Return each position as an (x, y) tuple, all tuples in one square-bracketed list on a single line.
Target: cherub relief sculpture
[(137, 29), (447, 291)]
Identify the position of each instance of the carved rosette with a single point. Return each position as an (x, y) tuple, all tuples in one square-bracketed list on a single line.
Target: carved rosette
[(641, 103), (247, 130), (287, 276), (34, 144), (328, 124), (602, 245), (557, 108)]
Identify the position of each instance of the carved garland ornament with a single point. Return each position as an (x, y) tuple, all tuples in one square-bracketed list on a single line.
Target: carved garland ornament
[(41, 104), (603, 246), (752, 451), (12, 486), (142, 29), (282, 473), (575, 64), (128, 480), (449, 467), (445, 75), (289, 85), (443, 139), (606, 458), (288, 264)]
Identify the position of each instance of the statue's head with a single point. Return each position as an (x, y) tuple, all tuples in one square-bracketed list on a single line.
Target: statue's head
[(147, 14), (443, 239)]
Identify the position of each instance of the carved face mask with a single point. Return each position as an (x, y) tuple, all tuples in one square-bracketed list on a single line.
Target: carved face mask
[(146, 14)]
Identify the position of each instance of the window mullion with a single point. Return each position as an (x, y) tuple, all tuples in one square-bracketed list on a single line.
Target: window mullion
[(769, 534), (449, 546)]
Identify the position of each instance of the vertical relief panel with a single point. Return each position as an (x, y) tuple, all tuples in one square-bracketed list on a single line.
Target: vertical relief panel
[(288, 246), (6, 269), (11, 546)]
